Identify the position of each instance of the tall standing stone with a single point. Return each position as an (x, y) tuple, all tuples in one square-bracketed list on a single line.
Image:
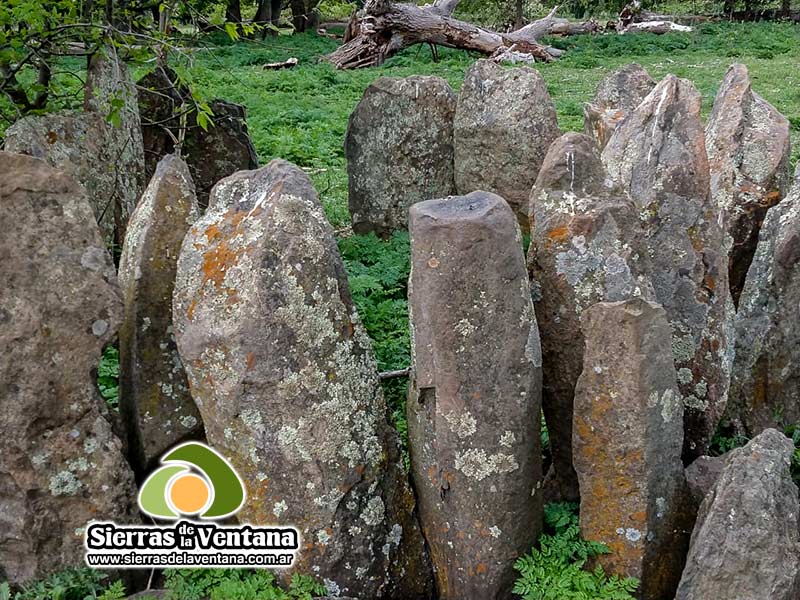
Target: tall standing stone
[(627, 443), (658, 155), (504, 123), (283, 374), (60, 463), (154, 395), (748, 154), (474, 402), (617, 96), (745, 544), (399, 150), (586, 247), (765, 387)]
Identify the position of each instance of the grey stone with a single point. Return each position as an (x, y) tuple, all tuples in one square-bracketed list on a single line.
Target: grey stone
[(504, 123), (60, 463), (586, 246), (283, 374), (399, 150), (745, 542), (474, 400), (748, 154), (627, 442), (618, 94), (154, 395), (658, 155), (702, 475), (765, 388)]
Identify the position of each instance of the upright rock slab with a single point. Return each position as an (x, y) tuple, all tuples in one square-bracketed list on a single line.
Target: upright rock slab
[(283, 374), (399, 150), (586, 246), (154, 395), (628, 433), (748, 154), (765, 388), (60, 463), (617, 96), (658, 155), (504, 123), (745, 543), (474, 400)]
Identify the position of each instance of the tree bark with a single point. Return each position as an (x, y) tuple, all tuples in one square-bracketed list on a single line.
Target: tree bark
[(233, 12)]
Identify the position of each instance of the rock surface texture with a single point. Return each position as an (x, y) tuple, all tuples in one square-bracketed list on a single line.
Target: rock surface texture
[(702, 475), (399, 150), (60, 463), (748, 154), (587, 245), (627, 437), (617, 96), (765, 388), (474, 400), (504, 123), (658, 155), (154, 395), (283, 374), (745, 542)]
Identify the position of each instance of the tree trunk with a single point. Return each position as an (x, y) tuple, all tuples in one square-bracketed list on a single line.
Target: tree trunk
[(519, 19), (304, 14), (263, 12), (233, 12)]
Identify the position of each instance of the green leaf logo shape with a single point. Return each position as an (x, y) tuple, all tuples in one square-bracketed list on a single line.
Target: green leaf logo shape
[(226, 490)]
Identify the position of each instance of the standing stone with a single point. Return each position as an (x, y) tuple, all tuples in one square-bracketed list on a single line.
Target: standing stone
[(617, 96), (213, 153), (745, 544), (283, 374), (765, 388), (504, 123), (658, 155), (399, 150), (628, 434), (748, 154), (60, 463), (474, 401), (586, 247), (154, 395), (702, 475)]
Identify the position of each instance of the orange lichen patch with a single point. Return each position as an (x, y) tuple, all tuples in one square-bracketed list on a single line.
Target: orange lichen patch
[(481, 568), (250, 361), (770, 199), (190, 310), (212, 232), (559, 234), (710, 282), (217, 261)]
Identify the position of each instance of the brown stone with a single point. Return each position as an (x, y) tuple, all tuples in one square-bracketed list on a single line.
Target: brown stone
[(627, 442), (474, 401), (702, 475), (284, 377)]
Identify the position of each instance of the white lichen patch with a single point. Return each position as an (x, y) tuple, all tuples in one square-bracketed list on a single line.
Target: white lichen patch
[(374, 513), (476, 464), (465, 328), (279, 508), (463, 425)]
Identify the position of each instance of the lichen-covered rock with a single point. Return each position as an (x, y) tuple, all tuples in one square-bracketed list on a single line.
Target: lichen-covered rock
[(474, 400), (658, 155), (154, 395), (586, 247), (213, 153), (504, 123), (283, 374), (765, 387), (702, 475), (745, 543), (399, 150), (748, 154), (627, 441), (618, 94), (60, 463)]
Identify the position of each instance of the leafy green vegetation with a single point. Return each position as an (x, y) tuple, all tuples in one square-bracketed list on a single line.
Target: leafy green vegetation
[(725, 440), (556, 571), (70, 584), (238, 584), (108, 377)]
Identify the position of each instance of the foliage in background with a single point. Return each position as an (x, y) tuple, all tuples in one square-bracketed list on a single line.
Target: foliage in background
[(725, 440), (108, 377), (70, 584), (238, 584), (556, 570)]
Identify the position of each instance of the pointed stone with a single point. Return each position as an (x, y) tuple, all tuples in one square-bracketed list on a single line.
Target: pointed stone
[(474, 401), (748, 154), (399, 150), (628, 433), (658, 155), (154, 395), (765, 388), (586, 246), (745, 543), (618, 95), (283, 374), (504, 123), (60, 463)]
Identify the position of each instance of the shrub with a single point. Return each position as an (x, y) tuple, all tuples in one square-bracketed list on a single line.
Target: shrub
[(237, 584)]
